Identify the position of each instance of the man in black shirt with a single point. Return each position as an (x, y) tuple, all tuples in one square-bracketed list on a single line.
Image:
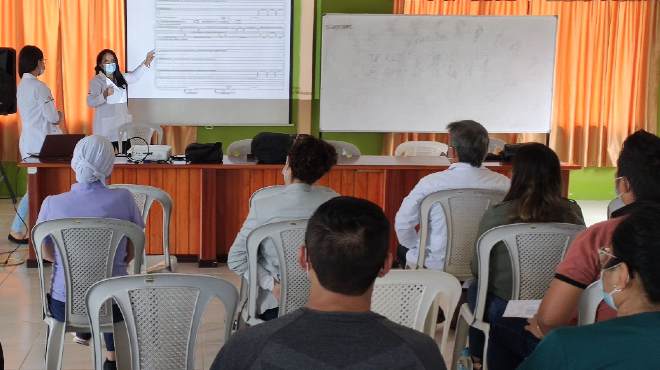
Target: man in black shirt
[(346, 248)]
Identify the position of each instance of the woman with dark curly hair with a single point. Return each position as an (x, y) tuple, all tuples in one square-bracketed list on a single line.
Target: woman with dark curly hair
[(308, 160)]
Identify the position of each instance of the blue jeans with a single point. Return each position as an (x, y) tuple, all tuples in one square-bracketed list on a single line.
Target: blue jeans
[(17, 226), (57, 309), (495, 307)]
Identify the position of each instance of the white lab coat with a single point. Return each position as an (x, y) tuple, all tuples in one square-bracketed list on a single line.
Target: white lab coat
[(457, 176), (109, 117), (38, 114), (294, 201)]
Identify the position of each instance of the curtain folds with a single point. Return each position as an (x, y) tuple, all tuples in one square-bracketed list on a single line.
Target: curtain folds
[(606, 79)]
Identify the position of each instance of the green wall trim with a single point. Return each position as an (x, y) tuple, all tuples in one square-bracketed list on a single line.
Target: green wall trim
[(17, 179)]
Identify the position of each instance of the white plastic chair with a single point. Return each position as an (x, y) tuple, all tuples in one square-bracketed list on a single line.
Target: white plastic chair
[(345, 149), (144, 196), (129, 131), (589, 302), (407, 297), (287, 236), (463, 209), (87, 249), (240, 149), (264, 192), (495, 145), (613, 206), (535, 250), (421, 149), (162, 314)]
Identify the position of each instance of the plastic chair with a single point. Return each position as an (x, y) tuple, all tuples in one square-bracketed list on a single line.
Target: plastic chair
[(264, 192), (495, 145), (407, 297), (287, 236), (421, 149), (144, 133), (240, 149), (144, 196), (589, 302), (535, 250), (87, 249), (162, 314), (613, 206), (345, 149), (463, 208)]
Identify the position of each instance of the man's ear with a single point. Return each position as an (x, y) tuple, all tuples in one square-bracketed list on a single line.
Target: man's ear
[(623, 276), (302, 257), (387, 266)]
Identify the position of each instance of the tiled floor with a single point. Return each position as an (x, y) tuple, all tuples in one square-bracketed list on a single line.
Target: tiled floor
[(23, 333)]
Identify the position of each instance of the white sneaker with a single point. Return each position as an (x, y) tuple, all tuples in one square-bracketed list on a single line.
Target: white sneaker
[(82, 341)]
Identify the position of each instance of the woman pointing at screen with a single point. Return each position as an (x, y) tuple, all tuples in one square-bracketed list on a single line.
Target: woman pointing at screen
[(107, 93)]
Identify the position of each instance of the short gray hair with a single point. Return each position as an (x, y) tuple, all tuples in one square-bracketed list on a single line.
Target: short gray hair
[(470, 141)]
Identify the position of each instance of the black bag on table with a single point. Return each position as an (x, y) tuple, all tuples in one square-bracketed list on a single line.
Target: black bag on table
[(271, 148), (204, 153)]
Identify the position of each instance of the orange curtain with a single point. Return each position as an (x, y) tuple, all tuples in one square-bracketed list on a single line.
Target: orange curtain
[(605, 79), (70, 33)]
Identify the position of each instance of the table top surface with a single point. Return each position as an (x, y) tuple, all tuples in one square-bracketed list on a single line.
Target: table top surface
[(362, 162)]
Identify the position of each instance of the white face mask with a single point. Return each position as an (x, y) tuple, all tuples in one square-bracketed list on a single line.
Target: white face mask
[(286, 173)]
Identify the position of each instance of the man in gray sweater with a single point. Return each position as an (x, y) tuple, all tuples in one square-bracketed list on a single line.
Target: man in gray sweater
[(346, 248)]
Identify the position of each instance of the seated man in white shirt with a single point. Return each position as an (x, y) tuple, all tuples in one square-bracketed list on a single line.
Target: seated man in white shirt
[(468, 148), (308, 160)]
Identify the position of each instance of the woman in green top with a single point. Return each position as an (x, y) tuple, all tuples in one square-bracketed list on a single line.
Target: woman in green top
[(631, 285), (534, 196)]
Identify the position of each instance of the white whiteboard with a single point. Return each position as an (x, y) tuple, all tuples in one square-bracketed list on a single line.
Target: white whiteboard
[(394, 73)]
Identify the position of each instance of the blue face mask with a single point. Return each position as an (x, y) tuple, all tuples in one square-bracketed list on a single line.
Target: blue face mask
[(608, 298), (109, 68)]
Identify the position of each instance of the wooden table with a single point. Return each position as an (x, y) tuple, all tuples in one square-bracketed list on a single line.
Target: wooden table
[(211, 201)]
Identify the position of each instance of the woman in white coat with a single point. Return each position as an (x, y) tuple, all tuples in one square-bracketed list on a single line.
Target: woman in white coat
[(107, 93), (39, 118)]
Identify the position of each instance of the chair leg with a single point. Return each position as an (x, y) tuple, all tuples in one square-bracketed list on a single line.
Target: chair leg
[(122, 346), (460, 339), (484, 361), (54, 345)]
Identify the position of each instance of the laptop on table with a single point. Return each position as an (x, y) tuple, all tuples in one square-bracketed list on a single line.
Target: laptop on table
[(58, 148)]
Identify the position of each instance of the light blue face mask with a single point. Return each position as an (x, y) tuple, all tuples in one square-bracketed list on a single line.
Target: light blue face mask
[(109, 68), (608, 298)]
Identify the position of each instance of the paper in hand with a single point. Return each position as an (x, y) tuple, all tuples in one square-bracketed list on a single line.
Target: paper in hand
[(522, 308)]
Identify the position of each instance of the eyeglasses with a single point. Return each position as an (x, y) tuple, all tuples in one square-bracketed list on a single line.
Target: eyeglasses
[(607, 259)]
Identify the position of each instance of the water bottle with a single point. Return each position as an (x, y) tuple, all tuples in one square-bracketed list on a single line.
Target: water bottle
[(465, 361)]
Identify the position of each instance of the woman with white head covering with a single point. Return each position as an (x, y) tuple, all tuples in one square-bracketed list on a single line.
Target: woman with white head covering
[(92, 162)]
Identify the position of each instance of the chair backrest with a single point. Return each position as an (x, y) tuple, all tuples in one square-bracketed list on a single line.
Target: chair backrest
[(264, 192), (463, 209), (589, 302), (137, 134), (535, 250), (614, 205), (406, 296), (287, 236), (144, 196), (162, 314), (495, 145), (345, 149), (240, 149), (421, 149), (87, 248)]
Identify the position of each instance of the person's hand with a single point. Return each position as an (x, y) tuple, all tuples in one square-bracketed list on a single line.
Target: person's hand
[(534, 327), (149, 58), (109, 91), (277, 291)]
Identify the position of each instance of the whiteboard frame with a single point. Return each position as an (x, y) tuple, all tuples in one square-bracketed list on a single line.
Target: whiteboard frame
[(324, 51)]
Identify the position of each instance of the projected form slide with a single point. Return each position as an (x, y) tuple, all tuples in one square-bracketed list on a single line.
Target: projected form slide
[(213, 49)]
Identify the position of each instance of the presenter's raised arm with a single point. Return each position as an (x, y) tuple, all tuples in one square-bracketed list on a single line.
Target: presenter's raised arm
[(137, 73)]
